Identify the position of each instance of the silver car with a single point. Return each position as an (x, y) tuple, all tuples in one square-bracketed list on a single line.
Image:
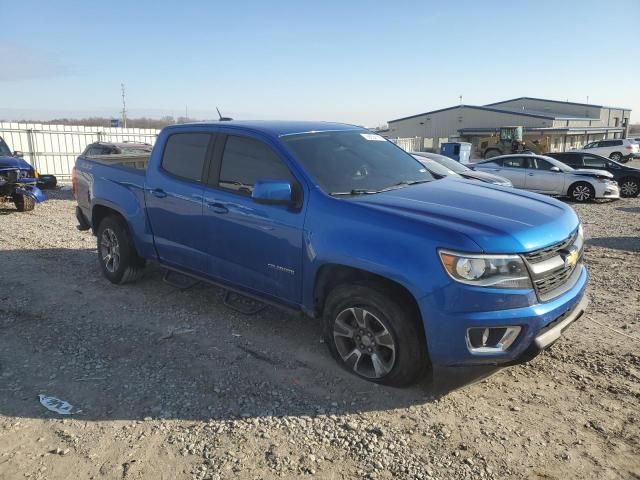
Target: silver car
[(542, 174)]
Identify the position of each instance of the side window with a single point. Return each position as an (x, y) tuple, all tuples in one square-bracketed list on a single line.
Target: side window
[(594, 162), (185, 154), (245, 161), (571, 160), (514, 162), (539, 164)]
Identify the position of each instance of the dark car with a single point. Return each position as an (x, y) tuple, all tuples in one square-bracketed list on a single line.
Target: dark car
[(124, 148), (628, 178), (463, 170)]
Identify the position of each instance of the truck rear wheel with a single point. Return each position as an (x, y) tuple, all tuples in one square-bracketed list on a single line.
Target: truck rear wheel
[(373, 336), (119, 261), (24, 203)]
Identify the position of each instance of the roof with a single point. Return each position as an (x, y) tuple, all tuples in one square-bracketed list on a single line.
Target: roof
[(554, 101), (545, 115), (278, 128)]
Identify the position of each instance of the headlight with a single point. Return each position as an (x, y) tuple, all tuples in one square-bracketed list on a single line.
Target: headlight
[(497, 271)]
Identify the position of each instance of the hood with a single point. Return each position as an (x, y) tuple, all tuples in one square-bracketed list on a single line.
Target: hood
[(497, 219), (485, 177), (13, 162), (587, 172)]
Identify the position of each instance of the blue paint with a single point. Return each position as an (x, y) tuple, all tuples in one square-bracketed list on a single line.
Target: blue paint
[(277, 250)]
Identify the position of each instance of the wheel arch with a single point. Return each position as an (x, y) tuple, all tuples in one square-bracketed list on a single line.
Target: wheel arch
[(332, 274)]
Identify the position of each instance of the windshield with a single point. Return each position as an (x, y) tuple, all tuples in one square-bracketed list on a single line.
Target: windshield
[(355, 162), (450, 163), (557, 163), (436, 168), (4, 149)]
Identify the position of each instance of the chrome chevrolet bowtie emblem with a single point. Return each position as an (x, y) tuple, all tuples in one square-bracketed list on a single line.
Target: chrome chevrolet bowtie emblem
[(571, 258)]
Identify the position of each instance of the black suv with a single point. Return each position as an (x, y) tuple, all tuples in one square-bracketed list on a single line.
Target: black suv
[(628, 178)]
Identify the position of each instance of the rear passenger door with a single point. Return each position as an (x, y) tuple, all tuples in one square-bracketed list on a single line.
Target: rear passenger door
[(255, 246), (174, 200)]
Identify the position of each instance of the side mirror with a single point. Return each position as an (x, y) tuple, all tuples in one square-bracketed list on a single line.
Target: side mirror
[(273, 192), (555, 169), (18, 154)]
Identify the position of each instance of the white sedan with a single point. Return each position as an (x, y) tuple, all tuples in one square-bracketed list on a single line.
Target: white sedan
[(541, 174)]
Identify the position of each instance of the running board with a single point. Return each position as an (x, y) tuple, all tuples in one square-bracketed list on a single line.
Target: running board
[(258, 306), (178, 280)]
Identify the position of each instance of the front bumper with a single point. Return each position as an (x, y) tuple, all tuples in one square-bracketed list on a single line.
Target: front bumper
[(541, 325), (608, 190)]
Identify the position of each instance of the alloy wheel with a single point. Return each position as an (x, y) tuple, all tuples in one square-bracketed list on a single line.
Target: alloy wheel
[(364, 342), (110, 250), (629, 188), (582, 193)]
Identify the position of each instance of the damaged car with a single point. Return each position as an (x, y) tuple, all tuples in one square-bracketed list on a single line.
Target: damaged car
[(18, 181)]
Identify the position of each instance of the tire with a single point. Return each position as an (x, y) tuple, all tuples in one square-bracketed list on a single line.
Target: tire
[(387, 331), (24, 203), (617, 156), (582, 192), (119, 261), (629, 187), (492, 152)]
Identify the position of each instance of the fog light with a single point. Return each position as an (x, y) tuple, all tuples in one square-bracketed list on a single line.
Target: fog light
[(491, 339)]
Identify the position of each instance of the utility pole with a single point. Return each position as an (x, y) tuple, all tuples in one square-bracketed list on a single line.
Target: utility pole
[(124, 108)]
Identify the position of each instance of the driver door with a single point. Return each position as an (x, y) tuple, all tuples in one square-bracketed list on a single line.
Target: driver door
[(540, 177), (255, 246)]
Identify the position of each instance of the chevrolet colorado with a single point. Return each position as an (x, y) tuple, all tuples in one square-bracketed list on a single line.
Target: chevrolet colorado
[(405, 271)]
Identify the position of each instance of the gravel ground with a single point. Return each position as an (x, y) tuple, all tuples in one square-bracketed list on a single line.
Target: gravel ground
[(174, 384)]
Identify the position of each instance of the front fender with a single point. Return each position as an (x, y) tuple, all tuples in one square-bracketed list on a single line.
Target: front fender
[(31, 191)]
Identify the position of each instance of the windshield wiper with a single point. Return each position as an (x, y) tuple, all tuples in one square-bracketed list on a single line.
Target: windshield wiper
[(355, 191), (403, 183), (362, 191)]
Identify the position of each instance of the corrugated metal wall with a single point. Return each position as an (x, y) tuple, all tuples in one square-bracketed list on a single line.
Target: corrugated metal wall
[(53, 149)]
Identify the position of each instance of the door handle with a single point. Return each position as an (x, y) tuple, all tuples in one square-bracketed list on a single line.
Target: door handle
[(217, 207), (531, 174), (158, 192)]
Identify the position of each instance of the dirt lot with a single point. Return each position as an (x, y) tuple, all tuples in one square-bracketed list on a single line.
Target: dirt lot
[(174, 384)]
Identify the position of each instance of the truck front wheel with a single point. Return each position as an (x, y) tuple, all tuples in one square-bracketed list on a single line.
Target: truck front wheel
[(373, 336), (24, 203), (119, 260)]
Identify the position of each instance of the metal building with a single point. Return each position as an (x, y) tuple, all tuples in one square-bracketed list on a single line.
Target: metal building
[(566, 124)]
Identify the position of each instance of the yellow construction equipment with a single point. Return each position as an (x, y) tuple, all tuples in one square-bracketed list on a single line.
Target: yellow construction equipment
[(510, 140)]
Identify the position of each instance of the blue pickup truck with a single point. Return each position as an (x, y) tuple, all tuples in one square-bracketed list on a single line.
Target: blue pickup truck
[(405, 271)]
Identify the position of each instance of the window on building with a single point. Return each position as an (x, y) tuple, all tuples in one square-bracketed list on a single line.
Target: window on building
[(246, 160), (185, 154)]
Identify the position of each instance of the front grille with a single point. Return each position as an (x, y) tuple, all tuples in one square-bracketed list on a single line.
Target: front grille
[(10, 176), (553, 280), (551, 251)]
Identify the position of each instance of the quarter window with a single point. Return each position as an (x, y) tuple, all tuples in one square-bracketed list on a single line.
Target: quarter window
[(185, 154), (246, 161)]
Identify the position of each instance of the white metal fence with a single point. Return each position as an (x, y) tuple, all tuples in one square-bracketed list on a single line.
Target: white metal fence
[(53, 149)]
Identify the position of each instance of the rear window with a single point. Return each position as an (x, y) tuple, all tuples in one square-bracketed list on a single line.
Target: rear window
[(185, 154)]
